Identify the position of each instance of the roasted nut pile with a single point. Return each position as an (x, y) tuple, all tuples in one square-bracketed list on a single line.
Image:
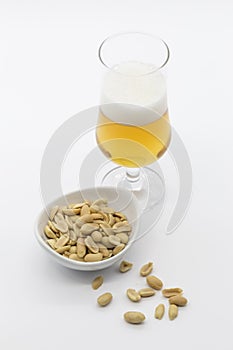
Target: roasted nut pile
[(87, 231), (174, 295)]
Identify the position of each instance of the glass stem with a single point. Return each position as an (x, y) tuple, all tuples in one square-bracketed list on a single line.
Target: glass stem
[(133, 174), (133, 177)]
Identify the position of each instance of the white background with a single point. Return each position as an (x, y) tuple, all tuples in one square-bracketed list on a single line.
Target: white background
[(49, 71)]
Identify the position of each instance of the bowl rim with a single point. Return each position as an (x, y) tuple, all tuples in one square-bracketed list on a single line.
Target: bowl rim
[(77, 263)]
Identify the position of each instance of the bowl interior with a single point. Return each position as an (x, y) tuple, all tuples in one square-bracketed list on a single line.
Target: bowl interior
[(119, 199)]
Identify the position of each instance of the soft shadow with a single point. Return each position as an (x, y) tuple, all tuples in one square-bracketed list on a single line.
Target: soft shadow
[(70, 275)]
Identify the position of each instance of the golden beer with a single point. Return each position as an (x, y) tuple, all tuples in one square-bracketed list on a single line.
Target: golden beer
[(133, 145)]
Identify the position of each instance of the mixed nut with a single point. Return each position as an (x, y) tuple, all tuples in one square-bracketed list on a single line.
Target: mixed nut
[(87, 231), (174, 295)]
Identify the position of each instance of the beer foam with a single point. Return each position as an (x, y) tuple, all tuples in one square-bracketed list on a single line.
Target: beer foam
[(134, 93)]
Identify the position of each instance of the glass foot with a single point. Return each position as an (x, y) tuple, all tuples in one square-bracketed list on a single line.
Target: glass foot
[(146, 184)]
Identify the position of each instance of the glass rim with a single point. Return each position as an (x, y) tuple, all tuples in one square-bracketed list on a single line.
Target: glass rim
[(133, 32)]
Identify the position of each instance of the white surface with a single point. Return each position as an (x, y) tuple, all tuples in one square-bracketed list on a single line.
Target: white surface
[(48, 72)]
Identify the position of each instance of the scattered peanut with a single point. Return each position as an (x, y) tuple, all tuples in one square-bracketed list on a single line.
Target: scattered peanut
[(171, 292), (146, 292), (97, 282), (178, 300), (133, 295), (134, 317), (172, 311), (159, 311), (104, 299), (154, 282), (125, 266), (146, 269)]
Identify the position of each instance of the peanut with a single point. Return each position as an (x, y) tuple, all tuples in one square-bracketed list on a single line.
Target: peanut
[(146, 269), (159, 311), (134, 317), (178, 300), (104, 299), (154, 282), (173, 311)]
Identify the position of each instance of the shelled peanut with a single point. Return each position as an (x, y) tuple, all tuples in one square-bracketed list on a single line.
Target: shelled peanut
[(87, 231)]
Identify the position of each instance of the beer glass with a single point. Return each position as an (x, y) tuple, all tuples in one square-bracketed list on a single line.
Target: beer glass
[(133, 128)]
